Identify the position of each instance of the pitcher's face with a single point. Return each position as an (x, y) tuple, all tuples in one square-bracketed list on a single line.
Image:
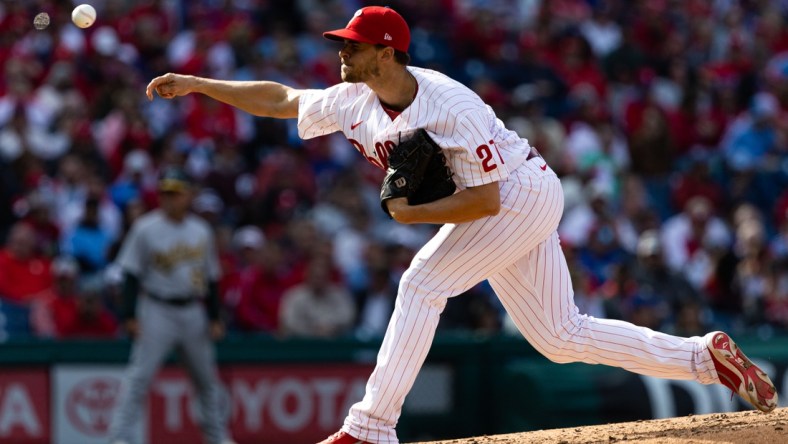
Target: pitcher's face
[(359, 62)]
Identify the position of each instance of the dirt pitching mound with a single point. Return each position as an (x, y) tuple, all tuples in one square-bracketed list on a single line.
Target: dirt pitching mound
[(736, 428)]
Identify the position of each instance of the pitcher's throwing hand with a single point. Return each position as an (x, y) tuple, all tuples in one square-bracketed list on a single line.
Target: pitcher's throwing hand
[(170, 85)]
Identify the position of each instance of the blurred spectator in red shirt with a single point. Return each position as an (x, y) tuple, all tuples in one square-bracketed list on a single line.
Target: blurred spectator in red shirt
[(697, 181), (24, 273), (208, 119), (123, 129), (477, 35), (261, 288), (85, 316), (148, 25), (66, 311), (286, 188), (575, 63), (224, 176), (236, 258), (651, 26), (65, 272), (35, 210), (771, 31)]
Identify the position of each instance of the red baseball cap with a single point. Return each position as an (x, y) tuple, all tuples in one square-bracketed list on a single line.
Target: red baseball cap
[(375, 25)]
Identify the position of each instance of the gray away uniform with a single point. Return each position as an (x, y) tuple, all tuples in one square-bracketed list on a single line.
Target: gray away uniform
[(174, 263)]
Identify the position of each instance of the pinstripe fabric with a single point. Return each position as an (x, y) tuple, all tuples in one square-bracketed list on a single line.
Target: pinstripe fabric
[(455, 117), (519, 252), (550, 321)]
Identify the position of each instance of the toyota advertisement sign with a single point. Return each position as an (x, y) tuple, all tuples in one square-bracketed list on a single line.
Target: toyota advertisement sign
[(73, 404)]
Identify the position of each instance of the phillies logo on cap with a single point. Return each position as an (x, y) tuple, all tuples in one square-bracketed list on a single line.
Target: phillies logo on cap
[(376, 25), (356, 14)]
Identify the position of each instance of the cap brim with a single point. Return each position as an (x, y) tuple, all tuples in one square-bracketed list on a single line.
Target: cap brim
[(344, 33), (170, 185)]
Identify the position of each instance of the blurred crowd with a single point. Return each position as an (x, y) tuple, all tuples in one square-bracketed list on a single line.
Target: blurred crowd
[(666, 119)]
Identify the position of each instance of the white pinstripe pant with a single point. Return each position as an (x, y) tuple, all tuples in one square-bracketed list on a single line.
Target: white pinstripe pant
[(518, 251)]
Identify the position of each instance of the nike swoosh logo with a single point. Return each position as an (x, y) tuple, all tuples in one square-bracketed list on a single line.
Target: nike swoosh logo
[(353, 126), (544, 167)]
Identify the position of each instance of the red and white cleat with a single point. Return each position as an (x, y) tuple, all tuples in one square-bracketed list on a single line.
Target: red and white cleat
[(739, 374), (342, 438)]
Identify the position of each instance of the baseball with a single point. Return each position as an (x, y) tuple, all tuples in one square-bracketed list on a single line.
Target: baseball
[(41, 21), (83, 16)]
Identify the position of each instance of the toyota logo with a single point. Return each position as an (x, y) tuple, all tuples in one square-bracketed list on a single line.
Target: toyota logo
[(90, 403)]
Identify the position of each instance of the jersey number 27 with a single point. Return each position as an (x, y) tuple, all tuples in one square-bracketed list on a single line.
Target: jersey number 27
[(485, 154)]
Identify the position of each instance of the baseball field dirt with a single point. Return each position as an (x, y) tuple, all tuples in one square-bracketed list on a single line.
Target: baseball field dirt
[(735, 428)]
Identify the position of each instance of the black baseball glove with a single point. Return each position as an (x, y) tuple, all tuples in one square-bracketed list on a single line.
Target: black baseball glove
[(417, 170)]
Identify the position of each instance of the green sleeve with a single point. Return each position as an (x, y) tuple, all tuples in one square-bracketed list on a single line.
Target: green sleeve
[(212, 301), (129, 291)]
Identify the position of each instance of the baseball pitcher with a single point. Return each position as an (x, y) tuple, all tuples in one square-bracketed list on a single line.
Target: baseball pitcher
[(499, 224)]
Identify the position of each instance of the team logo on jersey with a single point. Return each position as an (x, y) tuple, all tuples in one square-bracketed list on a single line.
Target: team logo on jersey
[(387, 36), (166, 260)]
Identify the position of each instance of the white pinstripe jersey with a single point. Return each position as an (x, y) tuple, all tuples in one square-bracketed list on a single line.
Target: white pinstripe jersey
[(477, 146)]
